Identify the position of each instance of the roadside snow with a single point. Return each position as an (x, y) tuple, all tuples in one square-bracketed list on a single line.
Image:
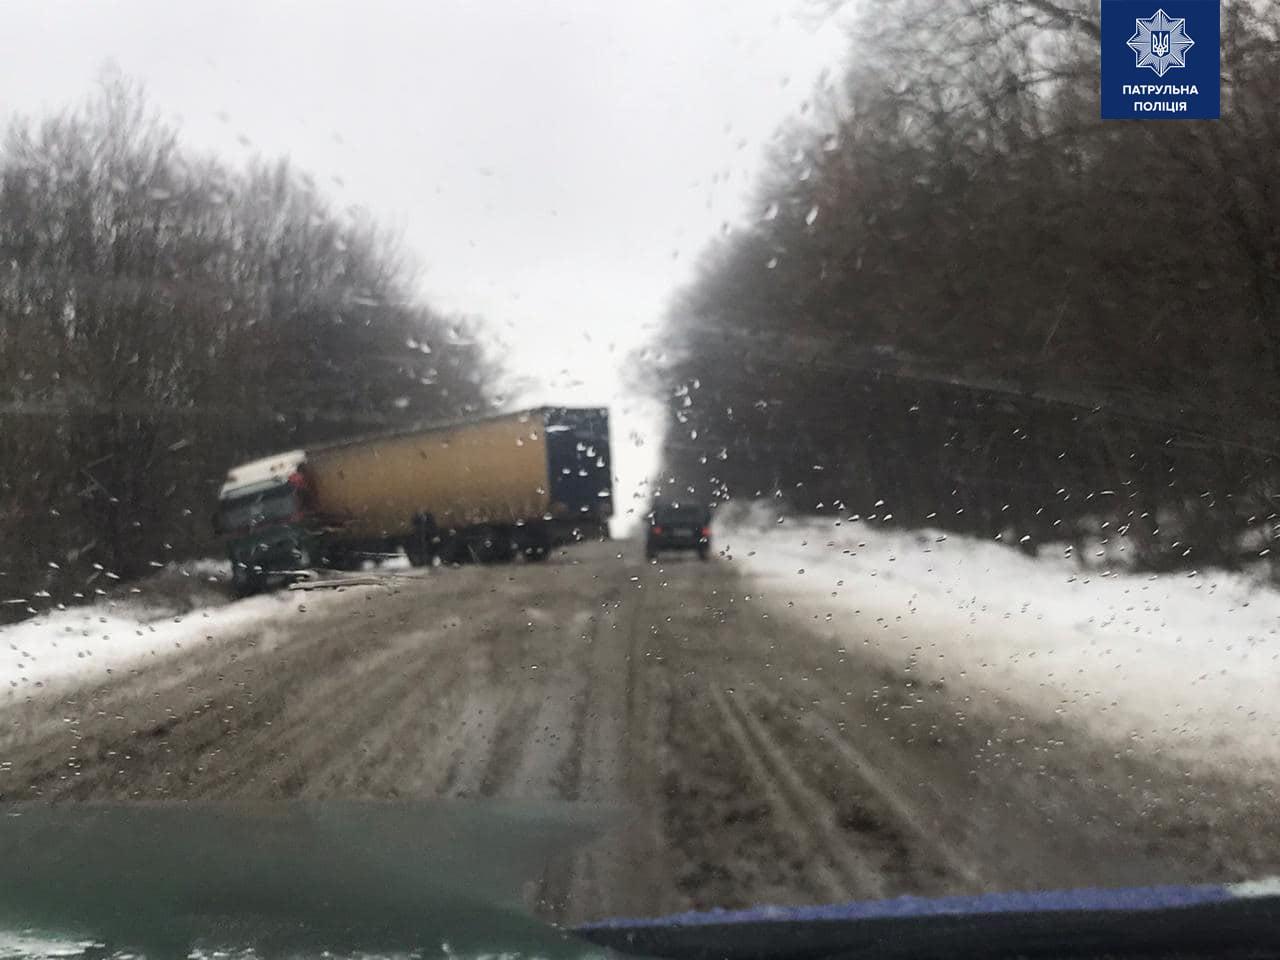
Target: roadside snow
[(22, 945), (1188, 664), (104, 637), (180, 606)]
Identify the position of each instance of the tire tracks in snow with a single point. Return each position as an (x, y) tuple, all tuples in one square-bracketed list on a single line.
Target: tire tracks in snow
[(751, 758), (798, 809)]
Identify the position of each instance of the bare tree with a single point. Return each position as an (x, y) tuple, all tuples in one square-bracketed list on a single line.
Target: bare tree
[(162, 316), (968, 296)]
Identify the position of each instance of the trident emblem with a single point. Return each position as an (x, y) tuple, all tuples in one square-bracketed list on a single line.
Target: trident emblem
[(1161, 42)]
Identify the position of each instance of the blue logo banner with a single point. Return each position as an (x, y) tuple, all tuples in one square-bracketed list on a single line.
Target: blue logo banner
[(1161, 60)]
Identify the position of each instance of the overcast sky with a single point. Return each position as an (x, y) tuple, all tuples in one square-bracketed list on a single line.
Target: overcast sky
[(554, 166)]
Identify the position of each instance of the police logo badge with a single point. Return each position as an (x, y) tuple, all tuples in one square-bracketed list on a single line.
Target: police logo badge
[(1160, 42)]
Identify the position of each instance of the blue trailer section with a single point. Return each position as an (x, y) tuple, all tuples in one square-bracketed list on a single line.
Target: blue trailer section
[(578, 466)]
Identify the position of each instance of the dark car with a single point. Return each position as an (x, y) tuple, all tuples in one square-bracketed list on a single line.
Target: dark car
[(678, 526)]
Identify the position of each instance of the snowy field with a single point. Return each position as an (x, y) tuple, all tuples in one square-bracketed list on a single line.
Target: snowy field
[(1185, 665)]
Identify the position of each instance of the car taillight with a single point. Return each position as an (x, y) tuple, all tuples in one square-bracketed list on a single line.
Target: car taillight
[(657, 530), (706, 531)]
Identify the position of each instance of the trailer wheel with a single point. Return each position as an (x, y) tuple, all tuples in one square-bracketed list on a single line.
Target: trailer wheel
[(420, 547), (492, 545), (452, 550), (533, 542)]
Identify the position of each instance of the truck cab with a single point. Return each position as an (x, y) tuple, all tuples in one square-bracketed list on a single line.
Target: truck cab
[(262, 514)]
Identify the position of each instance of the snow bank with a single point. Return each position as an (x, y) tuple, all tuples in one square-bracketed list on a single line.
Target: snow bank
[(97, 639), (180, 606), (15, 945), (1184, 664)]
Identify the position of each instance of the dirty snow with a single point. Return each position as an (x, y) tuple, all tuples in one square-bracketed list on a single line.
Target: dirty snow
[(1185, 665)]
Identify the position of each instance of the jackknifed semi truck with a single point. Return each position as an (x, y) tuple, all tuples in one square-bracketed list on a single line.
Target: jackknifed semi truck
[(485, 490)]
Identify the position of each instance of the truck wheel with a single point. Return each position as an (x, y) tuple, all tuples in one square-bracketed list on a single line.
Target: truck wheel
[(243, 583), (302, 558)]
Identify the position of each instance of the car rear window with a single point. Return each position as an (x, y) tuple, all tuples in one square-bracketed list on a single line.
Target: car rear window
[(680, 514)]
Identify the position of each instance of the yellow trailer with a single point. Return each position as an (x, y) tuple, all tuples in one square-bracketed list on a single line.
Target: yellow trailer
[(488, 472)]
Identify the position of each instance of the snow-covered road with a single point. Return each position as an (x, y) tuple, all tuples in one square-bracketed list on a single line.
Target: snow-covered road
[(907, 715)]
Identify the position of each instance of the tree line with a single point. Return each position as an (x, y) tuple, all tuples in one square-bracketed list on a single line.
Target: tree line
[(965, 301), (164, 315)]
